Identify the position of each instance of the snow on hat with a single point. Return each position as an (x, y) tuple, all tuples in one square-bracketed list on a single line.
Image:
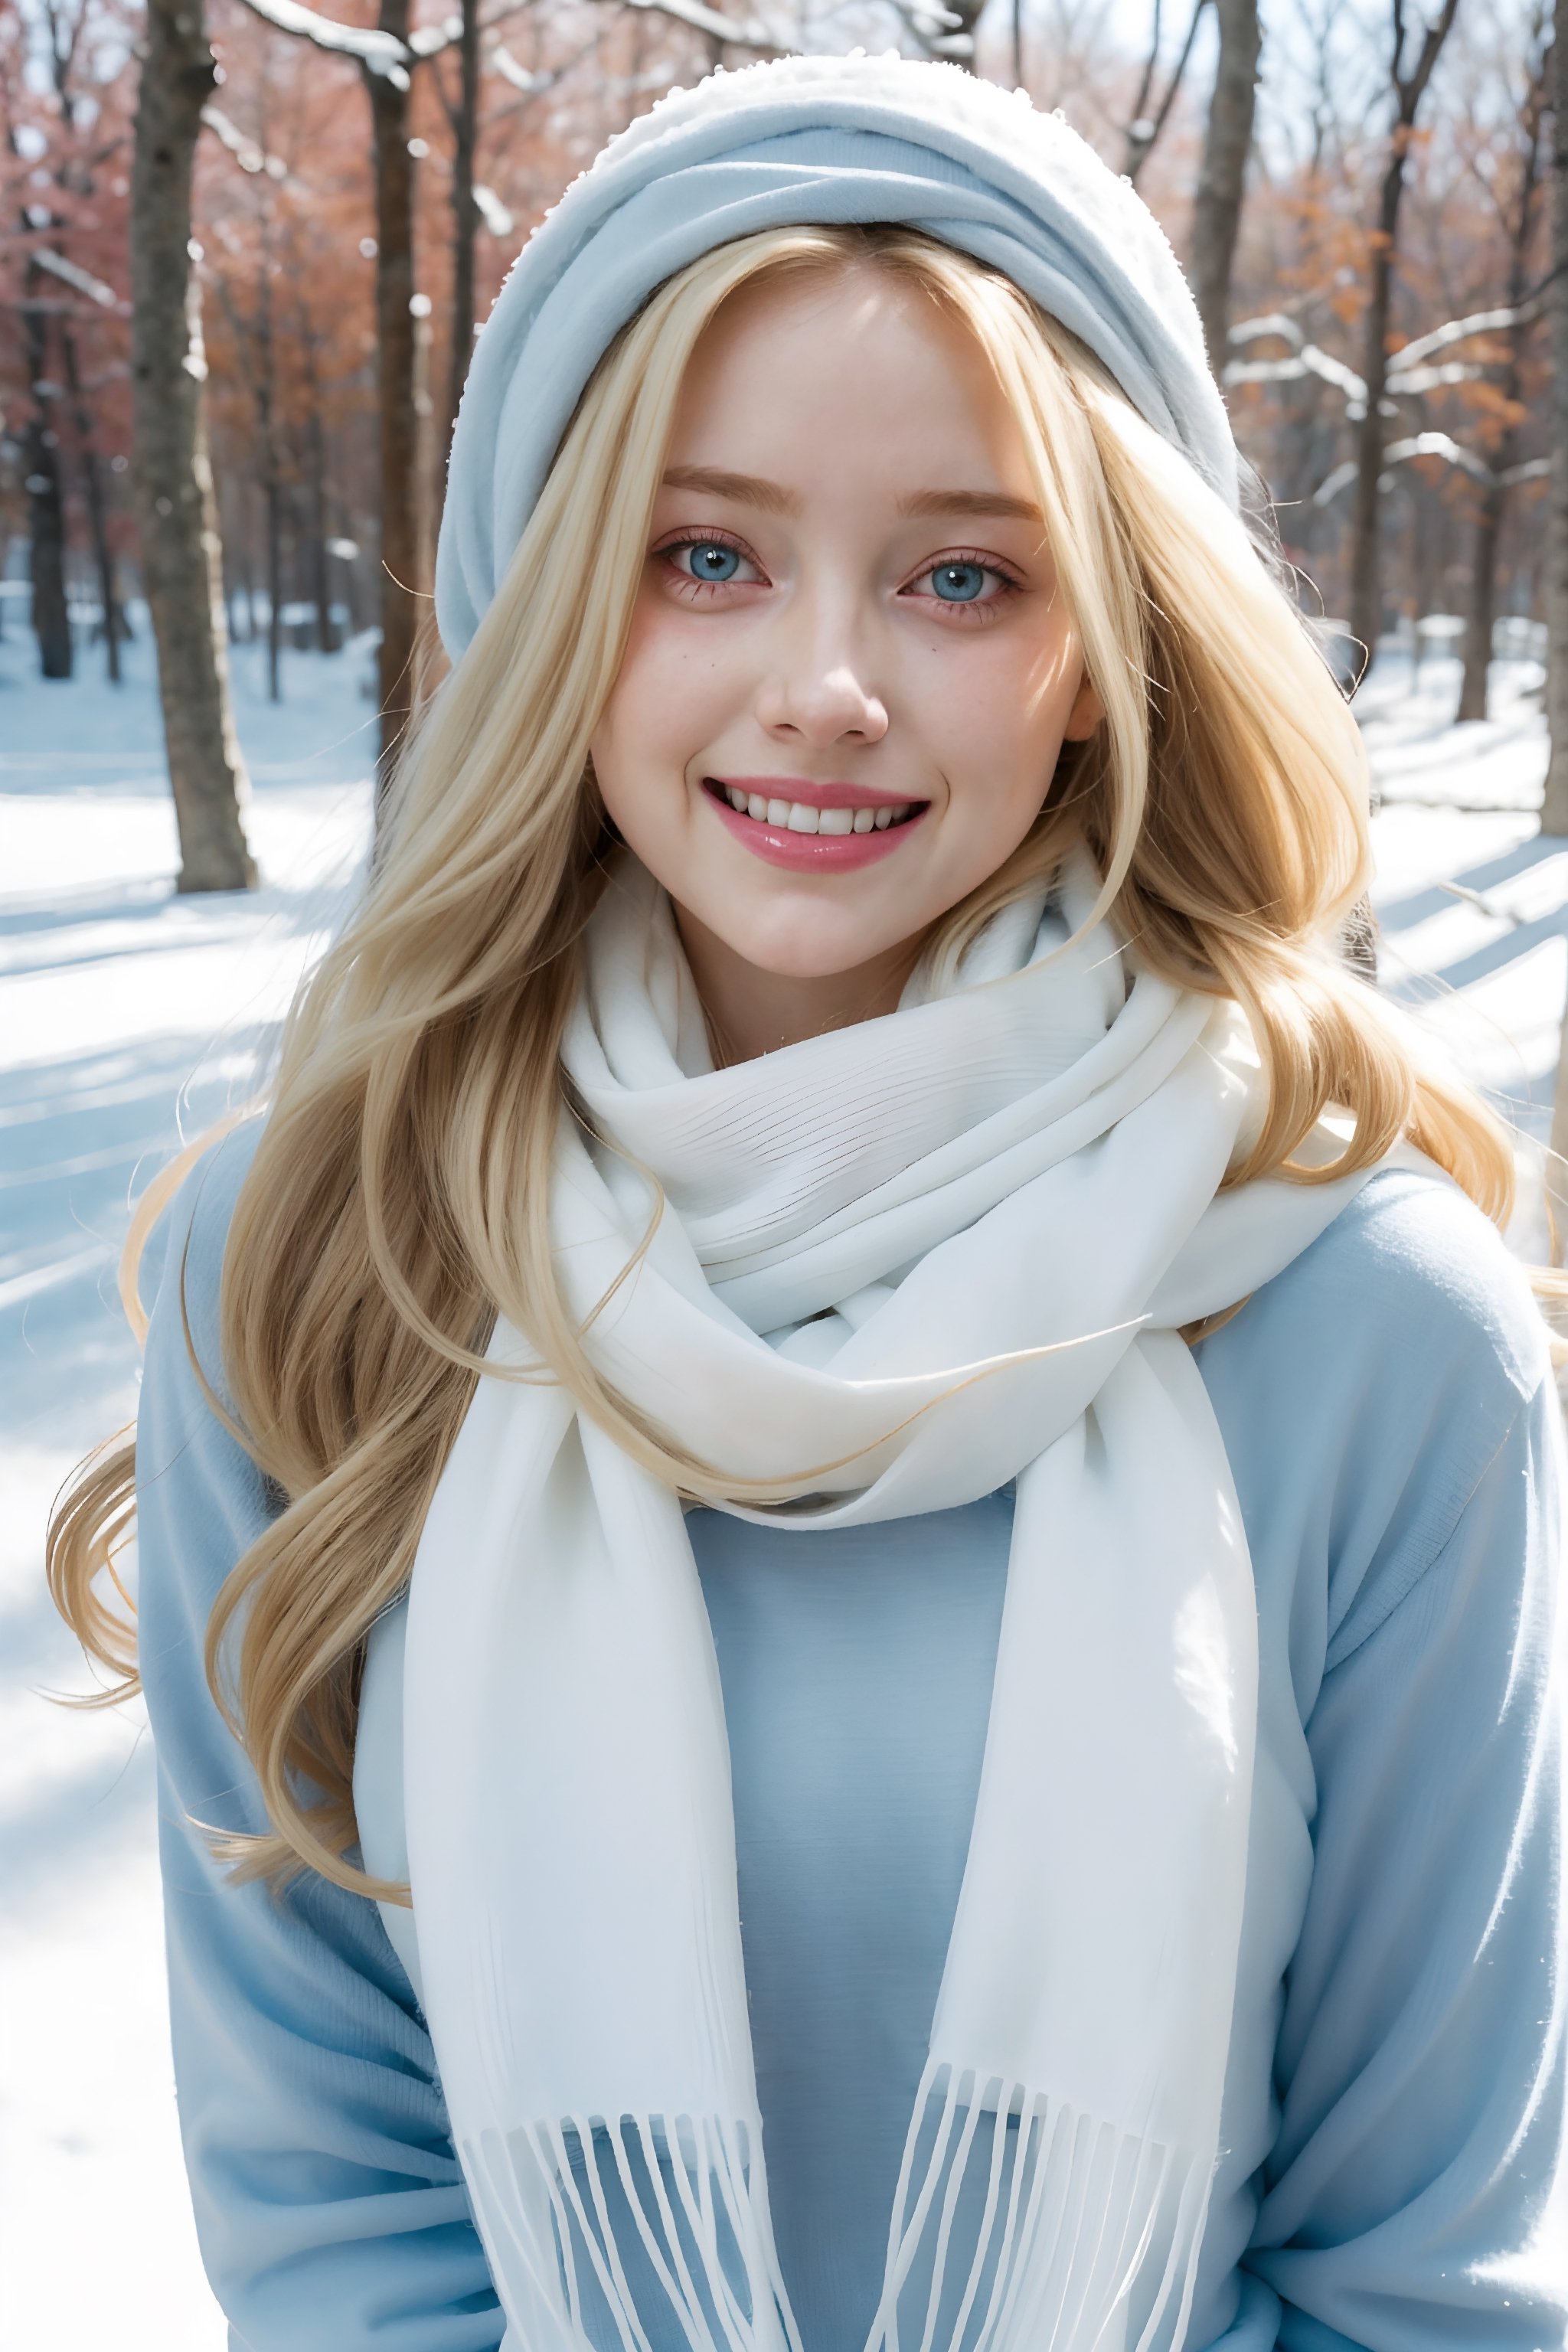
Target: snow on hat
[(800, 141)]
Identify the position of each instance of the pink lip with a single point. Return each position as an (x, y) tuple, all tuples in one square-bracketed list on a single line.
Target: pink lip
[(796, 788), (812, 852)]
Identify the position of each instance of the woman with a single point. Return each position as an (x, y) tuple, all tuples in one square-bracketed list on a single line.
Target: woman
[(850, 1412)]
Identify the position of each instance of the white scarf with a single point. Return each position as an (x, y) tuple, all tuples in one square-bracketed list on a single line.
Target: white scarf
[(898, 1265)]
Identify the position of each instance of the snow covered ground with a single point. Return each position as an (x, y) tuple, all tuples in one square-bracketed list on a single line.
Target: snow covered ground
[(129, 1018)]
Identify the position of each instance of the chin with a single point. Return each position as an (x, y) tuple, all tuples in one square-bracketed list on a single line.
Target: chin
[(796, 949)]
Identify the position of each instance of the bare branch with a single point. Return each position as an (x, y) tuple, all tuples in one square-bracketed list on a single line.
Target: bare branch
[(81, 280), (1308, 360), (496, 216), (1460, 330), (1272, 322), (244, 149), (501, 61), (1143, 135), (1432, 445), (710, 21)]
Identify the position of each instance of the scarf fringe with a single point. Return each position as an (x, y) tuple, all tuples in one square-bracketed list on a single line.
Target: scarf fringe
[(1086, 2238), (566, 2206)]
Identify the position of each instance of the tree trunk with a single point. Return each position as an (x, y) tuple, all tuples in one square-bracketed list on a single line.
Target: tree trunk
[(1554, 810), (181, 560), (1480, 606), (1366, 549), (272, 491), (1227, 142), (272, 474), (97, 510), (321, 564), (46, 501), (1483, 602), (1408, 89), (465, 149), (398, 421)]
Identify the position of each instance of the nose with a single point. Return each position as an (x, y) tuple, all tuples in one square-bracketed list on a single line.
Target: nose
[(819, 697)]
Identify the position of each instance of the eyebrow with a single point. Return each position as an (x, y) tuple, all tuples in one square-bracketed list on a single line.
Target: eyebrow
[(771, 498), (975, 502), (750, 489)]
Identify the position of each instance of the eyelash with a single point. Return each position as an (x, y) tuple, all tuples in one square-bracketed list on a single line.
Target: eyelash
[(969, 613), (707, 538), (976, 609)]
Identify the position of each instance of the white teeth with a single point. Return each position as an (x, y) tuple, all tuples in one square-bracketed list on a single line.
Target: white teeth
[(800, 817)]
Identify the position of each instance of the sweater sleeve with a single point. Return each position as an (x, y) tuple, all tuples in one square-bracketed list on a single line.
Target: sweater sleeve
[(329, 2202), (1418, 2192)]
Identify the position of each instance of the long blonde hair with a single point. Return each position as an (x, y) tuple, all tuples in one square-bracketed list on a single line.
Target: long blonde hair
[(397, 1196)]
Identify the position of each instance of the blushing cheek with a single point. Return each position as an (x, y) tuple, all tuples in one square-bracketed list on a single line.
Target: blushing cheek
[(1002, 721), (641, 735)]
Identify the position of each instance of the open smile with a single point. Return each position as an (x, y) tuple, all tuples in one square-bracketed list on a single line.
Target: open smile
[(811, 828)]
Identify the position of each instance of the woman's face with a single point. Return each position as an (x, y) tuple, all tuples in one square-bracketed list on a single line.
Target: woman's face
[(850, 671)]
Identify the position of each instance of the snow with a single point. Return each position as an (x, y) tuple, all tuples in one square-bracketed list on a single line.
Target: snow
[(130, 1018)]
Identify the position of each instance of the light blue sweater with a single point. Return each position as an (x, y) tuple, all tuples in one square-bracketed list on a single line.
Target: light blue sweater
[(1395, 2176)]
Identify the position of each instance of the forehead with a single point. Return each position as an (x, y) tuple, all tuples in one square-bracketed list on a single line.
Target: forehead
[(801, 369)]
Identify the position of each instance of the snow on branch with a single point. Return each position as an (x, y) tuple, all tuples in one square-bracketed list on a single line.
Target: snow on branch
[(1403, 377), (1460, 330), (1308, 360), (1406, 372), (937, 28), (496, 216), (1434, 445), (245, 150), (379, 53), (81, 282), (1272, 322), (712, 22), (429, 40), (501, 61)]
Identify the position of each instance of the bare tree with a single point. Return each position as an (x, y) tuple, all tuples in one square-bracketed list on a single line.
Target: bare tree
[(257, 338), (180, 559), (115, 628), (1149, 115), (314, 468), (1482, 599), (46, 490), (396, 365), (1408, 78), (64, 31), (464, 118), (41, 472), (385, 56), (1554, 811), (1227, 142)]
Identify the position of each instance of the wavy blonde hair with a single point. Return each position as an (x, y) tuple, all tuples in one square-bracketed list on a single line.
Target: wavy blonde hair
[(397, 1196)]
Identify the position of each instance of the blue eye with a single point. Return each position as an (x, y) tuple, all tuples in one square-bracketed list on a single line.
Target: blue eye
[(710, 559), (958, 584)]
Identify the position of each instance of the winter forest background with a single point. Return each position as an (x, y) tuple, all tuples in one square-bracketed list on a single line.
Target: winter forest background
[(242, 254)]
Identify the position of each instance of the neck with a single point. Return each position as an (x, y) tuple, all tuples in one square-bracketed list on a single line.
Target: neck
[(752, 1012)]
